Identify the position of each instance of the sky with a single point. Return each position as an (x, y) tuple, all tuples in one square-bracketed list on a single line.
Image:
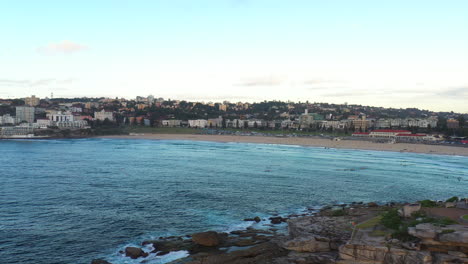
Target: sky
[(396, 53)]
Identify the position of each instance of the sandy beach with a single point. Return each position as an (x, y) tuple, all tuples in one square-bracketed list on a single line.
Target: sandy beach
[(313, 142)]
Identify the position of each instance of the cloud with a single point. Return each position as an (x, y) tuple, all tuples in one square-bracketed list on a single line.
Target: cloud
[(262, 81), (34, 82), (458, 92), (63, 47)]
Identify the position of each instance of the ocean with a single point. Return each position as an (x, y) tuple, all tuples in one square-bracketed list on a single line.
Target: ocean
[(71, 201)]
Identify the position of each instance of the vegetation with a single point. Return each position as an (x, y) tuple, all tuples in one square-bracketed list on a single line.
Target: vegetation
[(453, 199), (465, 217), (428, 203), (339, 212), (370, 223), (391, 219)]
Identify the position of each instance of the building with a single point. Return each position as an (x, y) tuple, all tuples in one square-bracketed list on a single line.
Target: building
[(360, 124), (44, 122), (171, 123), (25, 113), (61, 117), (32, 101), (453, 124), (215, 122), (103, 115), (8, 120), (72, 124), (16, 131), (198, 123), (388, 133)]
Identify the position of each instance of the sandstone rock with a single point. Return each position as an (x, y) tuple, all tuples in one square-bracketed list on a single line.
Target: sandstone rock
[(100, 261), (208, 239), (354, 253), (424, 231), (457, 254), (134, 252), (307, 244), (264, 253)]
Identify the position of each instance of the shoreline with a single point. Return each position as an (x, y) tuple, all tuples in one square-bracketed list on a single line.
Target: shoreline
[(310, 142), (320, 235)]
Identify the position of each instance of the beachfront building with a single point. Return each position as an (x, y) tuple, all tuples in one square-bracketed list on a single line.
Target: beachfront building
[(171, 123), (25, 113), (103, 115), (198, 123), (387, 133), (72, 124), (16, 131), (360, 134), (215, 122)]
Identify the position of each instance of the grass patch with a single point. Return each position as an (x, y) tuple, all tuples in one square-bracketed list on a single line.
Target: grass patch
[(378, 233), (370, 223), (465, 217), (452, 200)]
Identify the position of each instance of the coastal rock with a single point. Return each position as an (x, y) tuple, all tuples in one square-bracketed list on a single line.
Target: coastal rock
[(277, 220), (355, 253), (208, 239), (134, 252), (308, 244), (372, 204), (264, 253), (100, 261)]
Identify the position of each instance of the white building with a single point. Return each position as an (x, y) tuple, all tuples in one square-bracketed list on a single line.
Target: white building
[(8, 120), (44, 123), (103, 115), (199, 123), (72, 124), (171, 123), (61, 117)]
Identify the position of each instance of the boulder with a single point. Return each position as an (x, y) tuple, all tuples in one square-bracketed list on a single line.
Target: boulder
[(134, 252), (372, 204), (308, 244), (257, 219), (208, 239), (100, 261)]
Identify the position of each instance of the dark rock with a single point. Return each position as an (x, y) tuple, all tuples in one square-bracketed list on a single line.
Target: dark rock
[(277, 220), (162, 253), (257, 219), (372, 204), (208, 239), (134, 252), (100, 261)]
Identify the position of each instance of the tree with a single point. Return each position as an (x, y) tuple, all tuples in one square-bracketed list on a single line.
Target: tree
[(461, 120)]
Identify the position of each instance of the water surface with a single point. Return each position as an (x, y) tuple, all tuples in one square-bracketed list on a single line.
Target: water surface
[(69, 201)]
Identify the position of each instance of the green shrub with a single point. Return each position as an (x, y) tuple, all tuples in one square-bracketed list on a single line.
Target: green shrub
[(428, 203), (453, 199), (391, 219), (338, 212)]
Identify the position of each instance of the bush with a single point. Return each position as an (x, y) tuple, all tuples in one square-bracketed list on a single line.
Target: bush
[(428, 203), (452, 200), (339, 212), (391, 219)]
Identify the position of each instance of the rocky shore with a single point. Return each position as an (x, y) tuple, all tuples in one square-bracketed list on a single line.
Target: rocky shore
[(425, 232)]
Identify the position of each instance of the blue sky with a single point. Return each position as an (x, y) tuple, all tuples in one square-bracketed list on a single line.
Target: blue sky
[(382, 53)]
